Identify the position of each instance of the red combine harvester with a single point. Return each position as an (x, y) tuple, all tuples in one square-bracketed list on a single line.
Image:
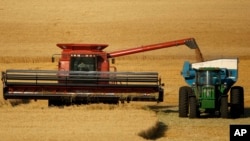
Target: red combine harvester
[(84, 76)]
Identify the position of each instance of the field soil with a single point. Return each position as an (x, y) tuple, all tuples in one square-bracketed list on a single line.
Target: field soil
[(31, 29)]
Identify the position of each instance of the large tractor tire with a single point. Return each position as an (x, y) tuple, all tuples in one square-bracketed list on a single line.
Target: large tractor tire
[(183, 100), (193, 111), (237, 101), (224, 107)]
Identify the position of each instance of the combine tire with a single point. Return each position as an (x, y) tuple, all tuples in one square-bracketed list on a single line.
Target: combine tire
[(59, 102), (55, 102), (224, 107), (237, 101), (161, 95), (183, 100), (193, 107)]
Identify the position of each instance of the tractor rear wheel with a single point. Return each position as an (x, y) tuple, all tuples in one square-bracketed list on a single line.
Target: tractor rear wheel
[(237, 101), (224, 107), (183, 100)]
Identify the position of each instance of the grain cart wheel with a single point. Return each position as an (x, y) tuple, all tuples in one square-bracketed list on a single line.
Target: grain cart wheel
[(241, 99), (237, 101), (224, 107), (192, 107), (183, 100)]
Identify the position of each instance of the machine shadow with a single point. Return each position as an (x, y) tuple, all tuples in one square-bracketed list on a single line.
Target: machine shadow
[(245, 115), (155, 132), (174, 109), (159, 130), (163, 108), (16, 102), (246, 112)]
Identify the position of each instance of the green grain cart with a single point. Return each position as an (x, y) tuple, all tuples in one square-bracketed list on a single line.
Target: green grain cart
[(209, 84)]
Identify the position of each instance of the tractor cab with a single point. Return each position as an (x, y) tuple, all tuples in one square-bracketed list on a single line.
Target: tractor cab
[(208, 87)]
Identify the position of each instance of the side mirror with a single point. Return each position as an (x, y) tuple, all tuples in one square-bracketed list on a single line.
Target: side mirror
[(52, 59), (113, 60)]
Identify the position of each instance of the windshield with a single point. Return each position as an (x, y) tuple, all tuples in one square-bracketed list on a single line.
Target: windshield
[(83, 63), (208, 77)]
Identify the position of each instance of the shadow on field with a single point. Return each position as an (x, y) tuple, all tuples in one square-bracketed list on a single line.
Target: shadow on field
[(163, 108), (246, 112), (245, 115), (174, 109), (160, 128), (16, 102), (155, 132)]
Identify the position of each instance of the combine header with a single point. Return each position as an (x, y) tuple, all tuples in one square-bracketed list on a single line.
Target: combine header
[(84, 76)]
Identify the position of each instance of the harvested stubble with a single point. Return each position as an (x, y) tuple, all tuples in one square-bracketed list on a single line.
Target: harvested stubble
[(87, 122)]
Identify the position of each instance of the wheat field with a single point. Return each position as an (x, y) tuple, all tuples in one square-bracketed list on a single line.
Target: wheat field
[(31, 29)]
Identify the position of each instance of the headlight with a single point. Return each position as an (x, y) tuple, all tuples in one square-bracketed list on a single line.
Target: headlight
[(225, 85)]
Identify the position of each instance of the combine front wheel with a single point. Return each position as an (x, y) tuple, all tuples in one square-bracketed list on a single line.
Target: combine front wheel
[(54, 102)]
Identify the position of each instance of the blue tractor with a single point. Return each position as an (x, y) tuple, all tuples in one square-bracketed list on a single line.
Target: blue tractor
[(209, 84)]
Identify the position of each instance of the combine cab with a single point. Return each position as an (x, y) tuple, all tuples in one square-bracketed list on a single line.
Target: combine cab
[(84, 76)]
